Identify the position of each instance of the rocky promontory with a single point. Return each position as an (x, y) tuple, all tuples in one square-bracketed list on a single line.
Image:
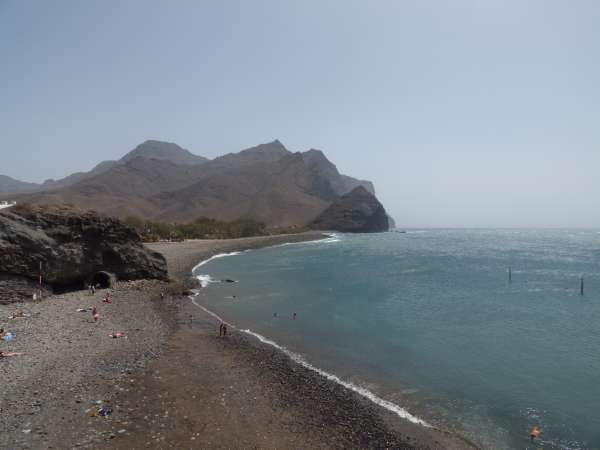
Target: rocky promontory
[(73, 248), (359, 211)]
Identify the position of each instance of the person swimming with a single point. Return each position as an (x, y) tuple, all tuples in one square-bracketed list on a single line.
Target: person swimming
[(535, 433)]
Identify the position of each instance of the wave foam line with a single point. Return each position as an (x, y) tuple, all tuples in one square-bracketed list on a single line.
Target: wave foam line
[(331, 237), (399, 411), (220, 255)]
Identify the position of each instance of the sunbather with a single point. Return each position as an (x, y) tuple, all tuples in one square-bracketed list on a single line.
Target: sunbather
[(8, 354), (19, 315)]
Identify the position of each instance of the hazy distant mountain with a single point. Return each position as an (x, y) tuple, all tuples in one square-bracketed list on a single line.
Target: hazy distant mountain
[(10, 185), (166, 151), (149, 150), (76, 177), (125, 189), (163, 181)]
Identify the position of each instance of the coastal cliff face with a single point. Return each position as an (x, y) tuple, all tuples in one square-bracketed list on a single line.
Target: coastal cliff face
[(73, 248), (356, 212)]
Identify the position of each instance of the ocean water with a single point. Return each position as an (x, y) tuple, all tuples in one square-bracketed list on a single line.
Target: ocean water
[(429, 321)]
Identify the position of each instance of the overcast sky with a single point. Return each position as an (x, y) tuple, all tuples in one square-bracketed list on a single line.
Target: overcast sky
[(463, 113)]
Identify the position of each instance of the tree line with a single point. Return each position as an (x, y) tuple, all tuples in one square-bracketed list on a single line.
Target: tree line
[(203, 228)]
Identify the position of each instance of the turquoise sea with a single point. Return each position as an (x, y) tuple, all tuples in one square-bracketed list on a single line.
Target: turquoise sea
[(429, 320)]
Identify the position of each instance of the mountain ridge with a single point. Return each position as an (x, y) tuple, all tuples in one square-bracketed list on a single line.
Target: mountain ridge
[(163, 181)]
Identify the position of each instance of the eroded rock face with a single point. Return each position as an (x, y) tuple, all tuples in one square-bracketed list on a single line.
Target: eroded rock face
[(356, 212), (72, 246)]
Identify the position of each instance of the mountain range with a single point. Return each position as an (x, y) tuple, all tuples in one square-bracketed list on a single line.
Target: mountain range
[(164, 182)]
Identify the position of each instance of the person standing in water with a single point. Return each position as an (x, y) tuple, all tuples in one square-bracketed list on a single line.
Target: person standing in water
[(295, 315)]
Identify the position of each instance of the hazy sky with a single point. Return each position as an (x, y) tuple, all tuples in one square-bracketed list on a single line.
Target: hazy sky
[(463, 113)]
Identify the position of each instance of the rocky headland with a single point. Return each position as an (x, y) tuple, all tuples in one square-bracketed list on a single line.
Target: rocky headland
[(69, 249), (359, 211)]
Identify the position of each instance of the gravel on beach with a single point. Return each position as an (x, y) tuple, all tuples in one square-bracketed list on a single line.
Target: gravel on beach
[(67, 360)]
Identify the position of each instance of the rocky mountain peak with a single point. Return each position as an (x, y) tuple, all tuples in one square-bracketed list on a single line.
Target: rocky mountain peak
[(152, 149)]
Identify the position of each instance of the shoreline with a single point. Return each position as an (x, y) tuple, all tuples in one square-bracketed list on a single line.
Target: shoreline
[(374, 398), (173, 383), (429, 436)]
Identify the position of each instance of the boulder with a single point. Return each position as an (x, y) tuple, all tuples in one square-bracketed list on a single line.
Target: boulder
[(74, 248), (359, 211)]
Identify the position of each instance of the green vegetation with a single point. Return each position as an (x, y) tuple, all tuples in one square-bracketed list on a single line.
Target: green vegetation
[(203, 228)]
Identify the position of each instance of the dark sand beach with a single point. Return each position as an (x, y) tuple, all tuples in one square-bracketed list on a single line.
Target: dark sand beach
[(173, 382)]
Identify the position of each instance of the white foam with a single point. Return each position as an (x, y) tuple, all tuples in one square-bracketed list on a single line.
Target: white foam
[(330, 239), (220, 255), (399, 411), (205, 280)]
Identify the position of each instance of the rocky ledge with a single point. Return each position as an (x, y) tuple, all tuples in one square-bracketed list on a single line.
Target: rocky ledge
[(73, 247), (359, 211)]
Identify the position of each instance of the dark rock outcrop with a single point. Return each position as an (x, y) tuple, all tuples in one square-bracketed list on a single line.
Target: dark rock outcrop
[(356, 212), (73, 248)]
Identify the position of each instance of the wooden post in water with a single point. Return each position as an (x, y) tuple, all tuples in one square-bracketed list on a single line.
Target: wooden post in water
[(580, 285)]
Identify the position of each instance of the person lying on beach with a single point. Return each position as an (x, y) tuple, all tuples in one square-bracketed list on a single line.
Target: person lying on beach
[(118, 334), (8, 336), (8, 354), (535, 433), (19, 315)]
